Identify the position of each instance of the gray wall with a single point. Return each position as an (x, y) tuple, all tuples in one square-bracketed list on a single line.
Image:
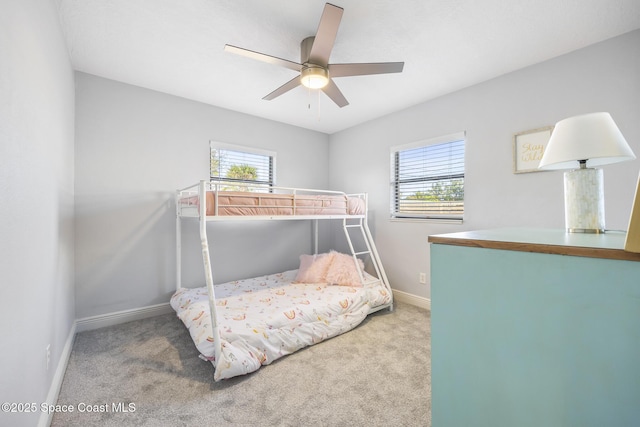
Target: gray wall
[(134, 147), (36, 213), (602, 77)]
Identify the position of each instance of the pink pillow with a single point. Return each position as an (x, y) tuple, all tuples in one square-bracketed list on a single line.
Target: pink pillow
[(313, 268), (343, 271), (356, 206)]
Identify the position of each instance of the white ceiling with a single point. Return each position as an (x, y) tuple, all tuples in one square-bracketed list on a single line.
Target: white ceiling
[(176, 47)]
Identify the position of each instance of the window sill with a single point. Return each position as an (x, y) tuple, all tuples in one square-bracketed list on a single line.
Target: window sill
[(428, 220)]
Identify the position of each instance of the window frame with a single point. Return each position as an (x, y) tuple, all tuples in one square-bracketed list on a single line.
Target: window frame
[(267, 185), (395, 215)]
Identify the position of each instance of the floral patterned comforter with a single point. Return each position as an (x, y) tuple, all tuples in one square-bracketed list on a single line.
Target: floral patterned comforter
[(264, 318)]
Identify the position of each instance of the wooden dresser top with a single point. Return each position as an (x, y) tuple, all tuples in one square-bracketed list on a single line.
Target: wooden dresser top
[(609, 245)]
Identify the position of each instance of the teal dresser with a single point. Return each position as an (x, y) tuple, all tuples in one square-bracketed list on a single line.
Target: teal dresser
[(535, 328)]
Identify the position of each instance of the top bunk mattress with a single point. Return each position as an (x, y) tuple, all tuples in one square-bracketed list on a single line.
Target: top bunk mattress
[(244, 203)]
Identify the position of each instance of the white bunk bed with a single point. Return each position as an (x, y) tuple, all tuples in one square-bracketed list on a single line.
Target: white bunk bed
[(241, 325)]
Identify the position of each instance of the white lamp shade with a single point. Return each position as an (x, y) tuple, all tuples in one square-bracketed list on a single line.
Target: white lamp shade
[(593, 137)]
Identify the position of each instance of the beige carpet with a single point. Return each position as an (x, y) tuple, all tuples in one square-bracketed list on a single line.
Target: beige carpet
[(147, 373)]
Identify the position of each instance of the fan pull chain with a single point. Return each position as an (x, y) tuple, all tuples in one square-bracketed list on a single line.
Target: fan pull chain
[(317, 102)]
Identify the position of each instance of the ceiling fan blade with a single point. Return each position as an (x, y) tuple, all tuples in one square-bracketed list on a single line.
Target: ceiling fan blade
[(326, 35), (293, 83), (334, 93), (262, 57), (344, 70)]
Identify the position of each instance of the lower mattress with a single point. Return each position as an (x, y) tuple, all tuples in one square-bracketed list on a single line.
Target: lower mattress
[(268, 317)]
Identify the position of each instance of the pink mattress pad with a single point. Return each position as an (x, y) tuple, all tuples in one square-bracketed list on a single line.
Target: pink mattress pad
[(247, 203)]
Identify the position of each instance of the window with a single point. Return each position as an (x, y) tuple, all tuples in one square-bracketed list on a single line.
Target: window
[(427, 179), (242, 168)]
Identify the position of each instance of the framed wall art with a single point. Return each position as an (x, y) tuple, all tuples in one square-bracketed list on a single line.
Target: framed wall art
[(528, 148)]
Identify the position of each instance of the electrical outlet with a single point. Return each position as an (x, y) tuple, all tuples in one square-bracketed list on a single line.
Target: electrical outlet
[(48, 355), (422, 278)]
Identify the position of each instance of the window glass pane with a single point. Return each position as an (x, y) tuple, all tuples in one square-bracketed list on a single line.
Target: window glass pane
[(241, 170), (428, 181)]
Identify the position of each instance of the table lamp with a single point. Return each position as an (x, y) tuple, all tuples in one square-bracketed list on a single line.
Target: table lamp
[(583, 142)]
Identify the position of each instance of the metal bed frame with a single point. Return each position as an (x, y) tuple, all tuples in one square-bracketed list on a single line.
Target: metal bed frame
[(349, 223)]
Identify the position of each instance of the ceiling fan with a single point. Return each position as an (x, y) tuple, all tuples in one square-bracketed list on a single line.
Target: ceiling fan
[(314, 68)]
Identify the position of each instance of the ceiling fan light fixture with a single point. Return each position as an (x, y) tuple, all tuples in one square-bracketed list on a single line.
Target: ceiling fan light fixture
[(314, 77), (313, 68)]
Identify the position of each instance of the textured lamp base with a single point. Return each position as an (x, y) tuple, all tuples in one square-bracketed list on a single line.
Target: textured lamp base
[(584, 201)]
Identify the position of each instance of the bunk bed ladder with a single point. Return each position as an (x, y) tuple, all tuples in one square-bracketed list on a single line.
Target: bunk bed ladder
[(361, 224)]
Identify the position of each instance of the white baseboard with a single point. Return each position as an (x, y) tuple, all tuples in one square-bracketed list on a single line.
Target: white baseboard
[(408, 298), (56, 382), (110, 319)]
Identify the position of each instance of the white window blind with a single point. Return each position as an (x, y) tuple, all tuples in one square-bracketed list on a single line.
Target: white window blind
[(240, 168), (428, 179)]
